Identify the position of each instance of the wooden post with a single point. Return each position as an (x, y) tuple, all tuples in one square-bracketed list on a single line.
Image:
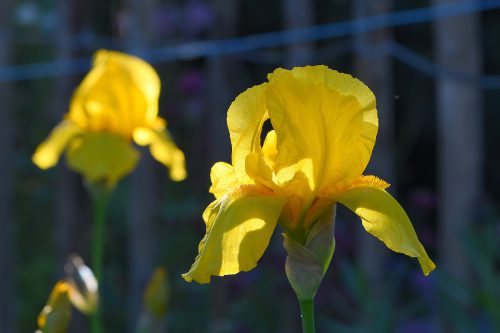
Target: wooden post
[(220, 93), (376, 72), (71, 204), (298, 14), (143, 203), (8, 252), (460, 114)]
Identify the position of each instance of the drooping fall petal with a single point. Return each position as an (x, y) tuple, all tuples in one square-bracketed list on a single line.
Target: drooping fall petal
[(163, 149), (383, 217), (47, 154), (239, 227), (326, 124), (102, 157)]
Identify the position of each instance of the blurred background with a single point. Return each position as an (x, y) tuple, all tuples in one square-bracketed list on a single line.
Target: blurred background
[(434, 67)]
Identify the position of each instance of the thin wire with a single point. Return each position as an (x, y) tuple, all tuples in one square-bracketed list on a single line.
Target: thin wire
[(424, 65), (251, 43)]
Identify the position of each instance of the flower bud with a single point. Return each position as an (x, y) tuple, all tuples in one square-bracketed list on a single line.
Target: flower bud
[(306, 264), (56, 314), (157, 293), (83, 287)]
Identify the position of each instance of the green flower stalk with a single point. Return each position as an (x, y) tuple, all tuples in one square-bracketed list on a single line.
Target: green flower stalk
[(115, 104)]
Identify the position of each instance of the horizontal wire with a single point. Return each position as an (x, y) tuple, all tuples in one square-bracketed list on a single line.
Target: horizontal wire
[(247, 44)]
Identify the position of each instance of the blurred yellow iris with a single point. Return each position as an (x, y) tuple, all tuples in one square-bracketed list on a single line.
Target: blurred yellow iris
[(324, 129), (116, 102)]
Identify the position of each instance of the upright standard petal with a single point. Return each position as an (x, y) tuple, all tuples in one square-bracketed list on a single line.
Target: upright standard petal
[(119, 94), (325, 123), (239, 227), (383, 217), (141, 73), (245, 118), (102, 157), (48, 152)]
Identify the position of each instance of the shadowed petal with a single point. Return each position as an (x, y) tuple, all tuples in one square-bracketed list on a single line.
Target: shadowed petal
[(49, 151), (163, 149), (239, 227), (102, 157), (383, 217), (245, 118)]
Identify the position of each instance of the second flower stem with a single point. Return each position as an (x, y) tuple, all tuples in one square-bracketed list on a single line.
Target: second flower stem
[(307, 314)]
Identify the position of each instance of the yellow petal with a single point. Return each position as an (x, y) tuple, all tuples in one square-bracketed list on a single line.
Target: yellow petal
[(239, 227), (141, 73), (245, 118), (383, 217), (324, 120), (102, 157), (269, 147), (223, 179), (163, 149), (48, 152), (119, 93)]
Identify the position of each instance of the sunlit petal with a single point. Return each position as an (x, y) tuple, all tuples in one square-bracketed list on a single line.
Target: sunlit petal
[(324, 120), (118, 94), (223, 179)]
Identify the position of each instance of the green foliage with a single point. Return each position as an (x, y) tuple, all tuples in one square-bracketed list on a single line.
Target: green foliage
[(474, 306), (365, 307)]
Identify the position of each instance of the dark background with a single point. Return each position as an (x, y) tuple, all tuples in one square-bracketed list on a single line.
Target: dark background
[(438, 144)]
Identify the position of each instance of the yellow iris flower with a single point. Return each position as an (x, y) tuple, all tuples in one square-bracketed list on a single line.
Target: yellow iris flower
[(116, 102), (324, 129)]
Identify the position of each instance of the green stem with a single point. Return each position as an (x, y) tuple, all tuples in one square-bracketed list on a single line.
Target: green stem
[(100, 198), (307, 314)]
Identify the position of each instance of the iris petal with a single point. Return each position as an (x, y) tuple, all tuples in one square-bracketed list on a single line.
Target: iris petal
[(383, 217), (239, 227), (102, 157), (163, 149), (326, 124), (119, 93), (223, 179)]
